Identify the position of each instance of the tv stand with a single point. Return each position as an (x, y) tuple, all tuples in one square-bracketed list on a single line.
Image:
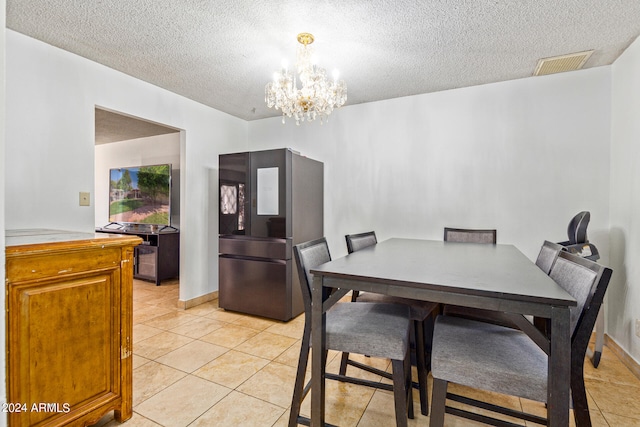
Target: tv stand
[(114, 226), (158, 257)]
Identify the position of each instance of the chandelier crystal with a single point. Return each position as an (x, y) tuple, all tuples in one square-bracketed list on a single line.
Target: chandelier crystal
[(317, 96)]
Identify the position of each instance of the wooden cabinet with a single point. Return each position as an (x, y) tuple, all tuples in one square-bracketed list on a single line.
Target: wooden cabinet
[(69, 327)]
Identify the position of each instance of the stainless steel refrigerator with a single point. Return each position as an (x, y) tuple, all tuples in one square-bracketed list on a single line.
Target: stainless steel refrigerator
[(269, 201)]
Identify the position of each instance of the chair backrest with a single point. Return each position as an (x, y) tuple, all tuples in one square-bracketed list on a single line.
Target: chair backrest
[(547, 255), (577, 229), (587, 282), (355, 242), (309, 255), (464, 235)]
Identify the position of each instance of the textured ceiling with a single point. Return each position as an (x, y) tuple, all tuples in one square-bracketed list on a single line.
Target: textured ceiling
[(222, 53), (114, 127)]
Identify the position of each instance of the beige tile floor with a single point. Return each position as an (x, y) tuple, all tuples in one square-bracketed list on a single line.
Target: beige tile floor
[(209, 367)]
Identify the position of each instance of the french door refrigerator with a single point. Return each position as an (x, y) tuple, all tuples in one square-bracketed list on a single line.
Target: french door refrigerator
[(269, 201)]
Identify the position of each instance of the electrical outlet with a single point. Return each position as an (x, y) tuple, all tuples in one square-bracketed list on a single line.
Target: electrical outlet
[(638, 328), (85, 198)]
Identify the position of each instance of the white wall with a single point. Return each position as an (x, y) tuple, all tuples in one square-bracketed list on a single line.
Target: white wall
[(3, 387), (51, 97), (153, 150), (522, 156), (624, 290)]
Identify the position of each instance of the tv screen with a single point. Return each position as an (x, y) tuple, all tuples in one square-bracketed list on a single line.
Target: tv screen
[(140, 195)]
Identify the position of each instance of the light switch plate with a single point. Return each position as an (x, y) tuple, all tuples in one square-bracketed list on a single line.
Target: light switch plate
[(85, 198)]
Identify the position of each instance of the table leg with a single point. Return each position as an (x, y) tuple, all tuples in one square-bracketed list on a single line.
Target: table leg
[(318, 322), (558, 388)]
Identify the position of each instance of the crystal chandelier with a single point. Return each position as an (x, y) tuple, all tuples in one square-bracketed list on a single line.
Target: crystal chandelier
[(317, 96)]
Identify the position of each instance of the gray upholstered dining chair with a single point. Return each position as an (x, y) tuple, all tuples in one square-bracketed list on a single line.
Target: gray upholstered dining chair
[(547, 256), (355, 242), (377, 330), (422, 316), (505, 360), (467, 235)]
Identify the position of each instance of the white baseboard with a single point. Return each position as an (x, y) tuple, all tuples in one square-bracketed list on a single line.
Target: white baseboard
[(626, 359), (185, 304)]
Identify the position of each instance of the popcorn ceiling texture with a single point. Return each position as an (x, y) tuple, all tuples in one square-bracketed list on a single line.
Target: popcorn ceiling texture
[(222, 53)]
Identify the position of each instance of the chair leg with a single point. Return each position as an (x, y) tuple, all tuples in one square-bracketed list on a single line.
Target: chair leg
[(579, 396), (298, 389), (409, 383), (421, 366), (400, 391), (438, 402), (343, 363)]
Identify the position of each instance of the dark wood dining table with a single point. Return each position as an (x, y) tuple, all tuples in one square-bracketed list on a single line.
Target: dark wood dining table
[(495, 277)]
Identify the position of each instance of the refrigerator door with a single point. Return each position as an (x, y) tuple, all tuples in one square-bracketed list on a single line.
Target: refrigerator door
[(270, 202), (234, 216)]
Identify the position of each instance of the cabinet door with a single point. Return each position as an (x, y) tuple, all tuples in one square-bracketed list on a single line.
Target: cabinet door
[(146, 262), (64, 347)]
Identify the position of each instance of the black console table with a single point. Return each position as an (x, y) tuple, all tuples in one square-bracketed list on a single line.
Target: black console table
[(158, 257)]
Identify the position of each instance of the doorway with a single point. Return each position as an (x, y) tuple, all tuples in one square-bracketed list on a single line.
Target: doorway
[(137, 188)]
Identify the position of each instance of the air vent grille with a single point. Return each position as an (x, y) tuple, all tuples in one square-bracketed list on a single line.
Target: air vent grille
[(560, 64)]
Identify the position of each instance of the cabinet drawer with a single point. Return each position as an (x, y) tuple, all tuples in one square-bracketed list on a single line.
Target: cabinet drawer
[(257, 248), (41, 265), (255, 287)]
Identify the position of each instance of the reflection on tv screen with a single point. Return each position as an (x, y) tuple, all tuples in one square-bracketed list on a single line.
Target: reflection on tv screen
[(140, 195)]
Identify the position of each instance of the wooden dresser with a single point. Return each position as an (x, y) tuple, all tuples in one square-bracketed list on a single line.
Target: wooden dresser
[(69, 327)]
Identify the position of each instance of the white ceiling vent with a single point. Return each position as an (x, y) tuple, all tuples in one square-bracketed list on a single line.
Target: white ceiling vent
[(560, 64)]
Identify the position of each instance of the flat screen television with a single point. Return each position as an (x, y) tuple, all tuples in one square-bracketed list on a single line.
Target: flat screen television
[(140, 195)]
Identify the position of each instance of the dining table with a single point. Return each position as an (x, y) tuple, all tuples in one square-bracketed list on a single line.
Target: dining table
[(496, 277)]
